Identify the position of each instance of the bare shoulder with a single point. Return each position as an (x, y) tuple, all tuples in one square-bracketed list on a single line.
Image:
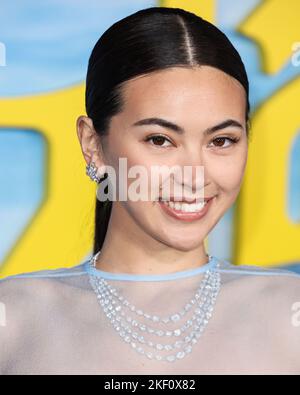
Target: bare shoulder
[(284, 298), (272, 300), (41, 285), (263, 282), (268, 287), (26, 303)]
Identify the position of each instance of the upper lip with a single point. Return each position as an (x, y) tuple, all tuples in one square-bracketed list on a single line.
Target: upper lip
[(187, 200)]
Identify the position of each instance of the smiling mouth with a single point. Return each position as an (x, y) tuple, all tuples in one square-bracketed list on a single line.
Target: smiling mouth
[(185, 207), (186, 211)]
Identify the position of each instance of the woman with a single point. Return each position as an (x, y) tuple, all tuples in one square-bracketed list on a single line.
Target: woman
[(166, 88)]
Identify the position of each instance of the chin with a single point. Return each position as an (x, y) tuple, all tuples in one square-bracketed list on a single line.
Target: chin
[(182, 242), (185, 246)]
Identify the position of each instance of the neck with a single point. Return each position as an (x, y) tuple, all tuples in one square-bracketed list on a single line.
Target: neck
[(128, 249)]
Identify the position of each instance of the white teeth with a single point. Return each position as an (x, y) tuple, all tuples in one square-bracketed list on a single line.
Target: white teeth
[(177, 206), (187, 207)]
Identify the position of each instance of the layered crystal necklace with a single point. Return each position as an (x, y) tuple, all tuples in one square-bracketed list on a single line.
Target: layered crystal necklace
[(181, 340)]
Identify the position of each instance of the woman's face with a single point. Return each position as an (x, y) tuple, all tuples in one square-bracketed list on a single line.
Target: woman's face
[(195, 100)]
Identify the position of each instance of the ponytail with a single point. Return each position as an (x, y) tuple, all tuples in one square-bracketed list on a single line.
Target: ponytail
[(103, 211)]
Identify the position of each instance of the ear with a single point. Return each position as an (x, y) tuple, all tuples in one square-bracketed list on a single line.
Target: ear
[(90, 141)]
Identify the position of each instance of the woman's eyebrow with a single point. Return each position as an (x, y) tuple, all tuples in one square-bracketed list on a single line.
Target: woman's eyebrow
[(178, 129)]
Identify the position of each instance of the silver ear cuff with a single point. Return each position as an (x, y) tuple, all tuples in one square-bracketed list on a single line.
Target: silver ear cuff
[(91, 171)]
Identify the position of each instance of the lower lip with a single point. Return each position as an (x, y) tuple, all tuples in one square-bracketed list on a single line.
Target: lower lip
[(184, 216)]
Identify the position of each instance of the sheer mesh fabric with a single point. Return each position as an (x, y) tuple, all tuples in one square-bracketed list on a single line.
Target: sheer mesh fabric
[(54, 323)]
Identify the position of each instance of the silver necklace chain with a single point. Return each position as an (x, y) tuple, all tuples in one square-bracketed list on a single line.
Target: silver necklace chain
[(128, 328)]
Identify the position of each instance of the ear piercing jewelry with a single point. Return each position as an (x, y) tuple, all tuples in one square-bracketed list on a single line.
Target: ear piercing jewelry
[(91, 171)]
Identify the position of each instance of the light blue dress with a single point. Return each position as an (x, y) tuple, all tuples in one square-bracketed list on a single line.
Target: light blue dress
[(53, 322)]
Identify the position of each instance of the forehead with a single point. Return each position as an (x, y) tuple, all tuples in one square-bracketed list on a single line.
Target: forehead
[(182, 92)]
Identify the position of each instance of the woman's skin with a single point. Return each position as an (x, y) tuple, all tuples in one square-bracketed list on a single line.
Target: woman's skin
[(141, 238)]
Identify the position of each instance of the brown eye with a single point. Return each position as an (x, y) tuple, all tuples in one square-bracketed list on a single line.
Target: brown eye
[(158, 140), (220, 142)]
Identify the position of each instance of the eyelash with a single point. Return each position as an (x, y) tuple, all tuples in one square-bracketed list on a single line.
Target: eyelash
[(233, 140)]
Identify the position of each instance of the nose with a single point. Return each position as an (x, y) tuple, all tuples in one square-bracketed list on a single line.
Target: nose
[(193, 170)]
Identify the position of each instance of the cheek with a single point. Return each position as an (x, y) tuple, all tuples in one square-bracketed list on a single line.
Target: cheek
[(141, 213), (227, 172), (137, 165), (126, 162), (121, 147)]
